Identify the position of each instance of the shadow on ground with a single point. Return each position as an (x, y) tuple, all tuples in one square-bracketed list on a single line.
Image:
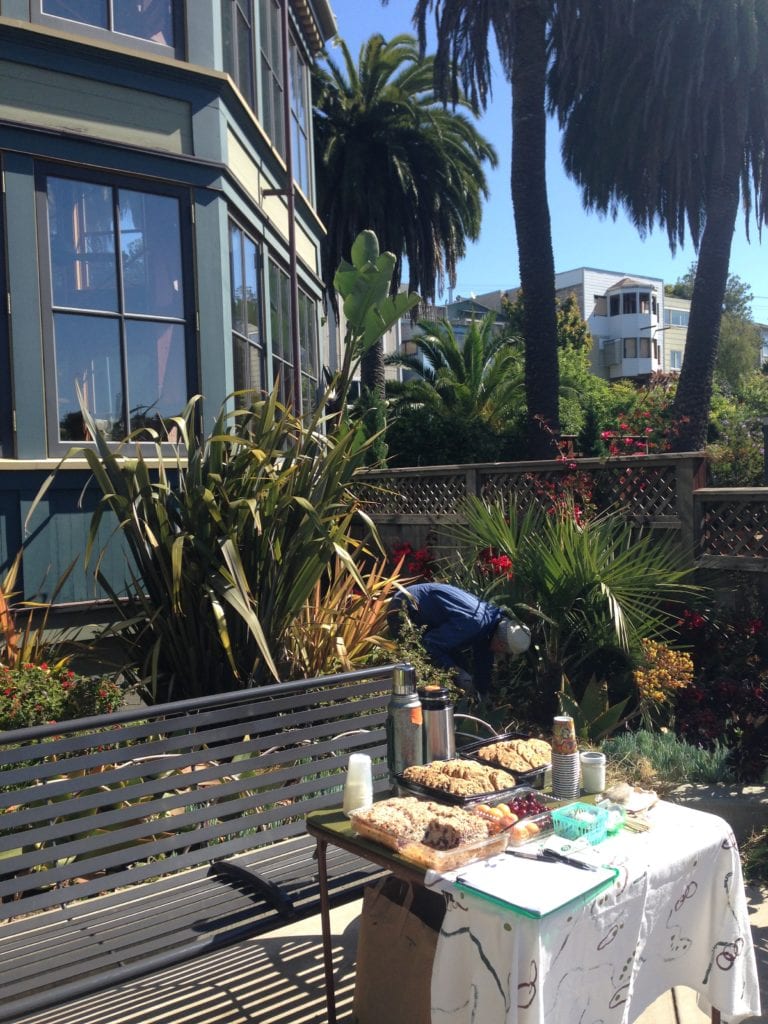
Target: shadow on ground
[(276, 979)]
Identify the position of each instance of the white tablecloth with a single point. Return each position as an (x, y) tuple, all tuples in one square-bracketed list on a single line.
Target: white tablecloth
[(677, 915)]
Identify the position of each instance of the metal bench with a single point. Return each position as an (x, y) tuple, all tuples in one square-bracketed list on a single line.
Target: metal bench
[(140, 839)]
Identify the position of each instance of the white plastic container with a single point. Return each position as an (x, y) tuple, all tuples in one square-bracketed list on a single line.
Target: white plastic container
[(592, 771)]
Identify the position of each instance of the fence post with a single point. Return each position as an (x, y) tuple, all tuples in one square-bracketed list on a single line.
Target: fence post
[(690, 476), (471, 482)]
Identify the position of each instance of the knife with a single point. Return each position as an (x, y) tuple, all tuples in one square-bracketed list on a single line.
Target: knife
[(553, 857)]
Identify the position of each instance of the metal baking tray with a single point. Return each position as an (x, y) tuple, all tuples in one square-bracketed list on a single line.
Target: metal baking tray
[(535, 777), (406, 787)]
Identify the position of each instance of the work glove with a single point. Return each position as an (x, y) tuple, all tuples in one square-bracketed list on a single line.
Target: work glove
[(464, 681)]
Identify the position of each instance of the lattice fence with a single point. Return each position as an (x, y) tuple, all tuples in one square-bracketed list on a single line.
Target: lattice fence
[(644, 489), (732, 527), (418, 504)]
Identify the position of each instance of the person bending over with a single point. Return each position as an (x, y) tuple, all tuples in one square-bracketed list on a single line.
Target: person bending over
[(457, 623)]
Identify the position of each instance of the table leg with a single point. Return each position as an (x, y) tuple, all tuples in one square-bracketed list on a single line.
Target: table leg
[(325, 918), (715, 1016)]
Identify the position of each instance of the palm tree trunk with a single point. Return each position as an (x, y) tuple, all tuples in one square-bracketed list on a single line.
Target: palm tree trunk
[(533, 227), (694, 391), (372, 370)]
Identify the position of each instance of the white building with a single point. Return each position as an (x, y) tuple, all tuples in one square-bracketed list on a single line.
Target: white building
[(636, 329)]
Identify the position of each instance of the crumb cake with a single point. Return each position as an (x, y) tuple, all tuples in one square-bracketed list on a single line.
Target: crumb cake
[(520, 755), (410, 820), (459, 777)]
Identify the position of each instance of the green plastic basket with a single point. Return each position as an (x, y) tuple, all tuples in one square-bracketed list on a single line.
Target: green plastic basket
[(581, 821)]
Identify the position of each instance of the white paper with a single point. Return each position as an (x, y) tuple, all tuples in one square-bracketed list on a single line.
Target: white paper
[(531, 886)]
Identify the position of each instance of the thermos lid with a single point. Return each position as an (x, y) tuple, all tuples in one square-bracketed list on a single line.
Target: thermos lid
[(434, 696), (403, 679)]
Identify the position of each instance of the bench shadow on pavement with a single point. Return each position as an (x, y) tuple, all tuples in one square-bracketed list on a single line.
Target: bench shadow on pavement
[(273, 979)]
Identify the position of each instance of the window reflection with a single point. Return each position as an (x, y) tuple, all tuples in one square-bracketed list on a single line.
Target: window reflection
[(151, 254), (143, 19), (157, 376), (88, 358), (88, 12), (81, 227)]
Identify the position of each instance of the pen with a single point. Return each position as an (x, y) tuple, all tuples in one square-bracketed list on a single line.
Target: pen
[(553, 857)]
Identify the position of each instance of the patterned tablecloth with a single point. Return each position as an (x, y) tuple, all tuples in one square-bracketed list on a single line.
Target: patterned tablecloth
[(677, 915)]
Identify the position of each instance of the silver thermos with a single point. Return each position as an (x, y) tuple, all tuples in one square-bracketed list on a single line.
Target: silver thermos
[(439, 735), (405, 744)]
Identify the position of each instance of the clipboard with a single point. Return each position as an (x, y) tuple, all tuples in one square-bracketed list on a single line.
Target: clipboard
[(532, 888)]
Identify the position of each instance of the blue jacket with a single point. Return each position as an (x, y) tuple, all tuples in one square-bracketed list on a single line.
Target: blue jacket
[(455, 622)]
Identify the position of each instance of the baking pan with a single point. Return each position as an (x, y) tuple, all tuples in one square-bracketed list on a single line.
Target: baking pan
[(534, 778)]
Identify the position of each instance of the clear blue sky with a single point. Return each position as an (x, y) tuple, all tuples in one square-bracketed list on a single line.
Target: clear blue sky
[(580, 239)]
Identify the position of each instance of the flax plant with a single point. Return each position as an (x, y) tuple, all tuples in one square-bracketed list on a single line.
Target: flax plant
[(227, 536), (341, 626)]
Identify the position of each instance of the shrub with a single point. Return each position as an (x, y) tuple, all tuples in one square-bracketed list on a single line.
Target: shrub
[(39, 694), (728, 700), (663, 761)]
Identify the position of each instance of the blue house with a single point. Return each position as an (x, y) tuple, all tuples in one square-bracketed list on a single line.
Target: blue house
[(159, 233)]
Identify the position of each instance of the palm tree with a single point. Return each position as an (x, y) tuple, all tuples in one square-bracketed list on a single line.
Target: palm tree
[(391, 158), (477, 377), (670, 122), (462, 58), (590, 589)]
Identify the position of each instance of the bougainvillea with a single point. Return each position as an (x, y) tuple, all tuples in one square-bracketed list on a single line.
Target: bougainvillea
[(647, 428)]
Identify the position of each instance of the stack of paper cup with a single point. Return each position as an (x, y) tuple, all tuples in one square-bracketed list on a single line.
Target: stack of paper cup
[(358, 789), (565, 759)]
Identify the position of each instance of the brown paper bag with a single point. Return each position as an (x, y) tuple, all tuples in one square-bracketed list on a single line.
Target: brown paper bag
[(396, 948)]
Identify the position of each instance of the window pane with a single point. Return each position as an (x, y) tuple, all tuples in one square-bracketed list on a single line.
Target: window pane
[(157, 373), (89, 12), (151, 249), (145, 19), (228, 37), (82, 241), (248, 370), (244, 64), (630, 302), (614, 305), (252, 309), (645, 348), (630, 348), (237, 289), (308, 335), (88, 356)]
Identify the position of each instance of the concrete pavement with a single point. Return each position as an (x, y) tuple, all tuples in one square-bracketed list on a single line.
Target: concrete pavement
[(278, 979)]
